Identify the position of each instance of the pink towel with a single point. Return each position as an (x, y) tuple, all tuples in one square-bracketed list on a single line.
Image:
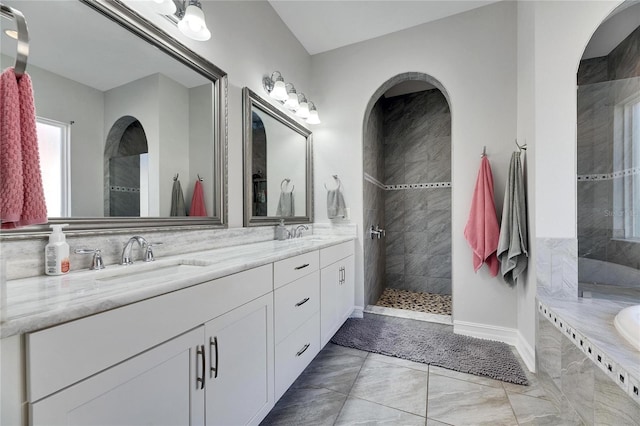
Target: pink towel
[(482, 231), (197, 201), (21, 192)]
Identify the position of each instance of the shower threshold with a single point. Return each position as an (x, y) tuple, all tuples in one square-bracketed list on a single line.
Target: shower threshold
[(414, 305)]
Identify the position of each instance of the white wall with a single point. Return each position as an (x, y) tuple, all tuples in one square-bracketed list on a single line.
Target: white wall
[(58, 98), (474, 56), (173, 113), (248, 41), (139, 99)]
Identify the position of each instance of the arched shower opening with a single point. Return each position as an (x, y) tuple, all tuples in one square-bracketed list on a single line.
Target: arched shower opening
[(126, 172), (407, 193)]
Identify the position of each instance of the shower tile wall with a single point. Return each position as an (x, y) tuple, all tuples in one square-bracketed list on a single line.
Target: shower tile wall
[(417, 149), (603, 83), (374, 249)]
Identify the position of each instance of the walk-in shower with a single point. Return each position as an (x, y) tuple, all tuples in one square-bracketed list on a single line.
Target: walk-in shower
[(407, 196)]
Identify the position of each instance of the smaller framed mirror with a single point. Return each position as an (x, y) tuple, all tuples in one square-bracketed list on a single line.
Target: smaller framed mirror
[(278, 162)]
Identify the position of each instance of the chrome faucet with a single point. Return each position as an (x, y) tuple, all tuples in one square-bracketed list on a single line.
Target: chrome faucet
[(126, 252), (297, 233)]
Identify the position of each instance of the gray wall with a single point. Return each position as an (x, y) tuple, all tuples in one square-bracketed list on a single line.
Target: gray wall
[(407, 145), (603, 83)]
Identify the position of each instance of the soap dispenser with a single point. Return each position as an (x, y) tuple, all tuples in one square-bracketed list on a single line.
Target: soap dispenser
[(56, 253), (281, 231)]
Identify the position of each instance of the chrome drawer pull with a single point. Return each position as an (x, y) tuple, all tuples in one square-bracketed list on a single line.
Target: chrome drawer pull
[(213, 371), (301, 266), (302, 302), (303, 350), (200, 353)]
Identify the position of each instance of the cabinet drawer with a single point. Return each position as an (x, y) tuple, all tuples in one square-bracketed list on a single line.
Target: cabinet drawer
[(295, 303), (295, 352), (287, 270), (60, 356), (332, 254)]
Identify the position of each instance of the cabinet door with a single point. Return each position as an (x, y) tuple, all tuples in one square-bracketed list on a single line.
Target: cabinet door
[(158, 387), (336, 297), (239, 388)]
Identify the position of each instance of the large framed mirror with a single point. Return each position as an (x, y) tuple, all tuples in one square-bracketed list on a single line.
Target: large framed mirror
[(124, 113), (278, 165)]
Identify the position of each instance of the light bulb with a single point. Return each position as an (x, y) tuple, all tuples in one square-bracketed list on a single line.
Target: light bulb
[(292, 102), (279, 91), (313, 117), (303, 111), (193, 25)]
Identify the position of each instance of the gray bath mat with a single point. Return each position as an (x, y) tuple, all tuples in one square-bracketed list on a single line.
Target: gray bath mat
[(431, 343)]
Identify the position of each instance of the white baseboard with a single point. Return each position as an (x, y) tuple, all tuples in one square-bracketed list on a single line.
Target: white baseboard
[(527, 353), (510, 336), (487, 332), (358, 312)]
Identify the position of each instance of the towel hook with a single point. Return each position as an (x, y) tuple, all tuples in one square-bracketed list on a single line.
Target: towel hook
[(199, 178), (175, 178), (522, 147), (22, 48), (484, 152), (337, 180)]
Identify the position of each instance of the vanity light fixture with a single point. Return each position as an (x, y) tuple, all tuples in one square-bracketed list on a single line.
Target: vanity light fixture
[(292, 101), (286, 93), (303, 109), (188, 15), (313, 114)]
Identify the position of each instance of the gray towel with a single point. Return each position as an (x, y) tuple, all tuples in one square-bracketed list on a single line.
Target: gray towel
[(177, 200), (512, 246), (286, 207), (335, 204)]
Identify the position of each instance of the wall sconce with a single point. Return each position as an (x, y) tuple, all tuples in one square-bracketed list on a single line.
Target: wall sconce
[(188, 15), (286, 93)]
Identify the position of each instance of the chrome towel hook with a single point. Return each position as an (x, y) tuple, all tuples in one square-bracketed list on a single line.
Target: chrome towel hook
[(22, 49)]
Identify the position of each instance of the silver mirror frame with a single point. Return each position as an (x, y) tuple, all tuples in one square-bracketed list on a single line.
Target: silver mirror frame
[(249, 100), (116, 11)]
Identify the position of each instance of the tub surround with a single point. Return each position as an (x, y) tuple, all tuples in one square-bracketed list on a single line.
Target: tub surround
[(557, 267), (38, 302), (581, 357)]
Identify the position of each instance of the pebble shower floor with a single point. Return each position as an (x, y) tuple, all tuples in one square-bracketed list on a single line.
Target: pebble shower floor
[(414, 301)]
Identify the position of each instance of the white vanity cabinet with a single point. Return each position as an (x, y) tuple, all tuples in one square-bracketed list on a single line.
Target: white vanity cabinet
[(296, 317), (239, 371), (118, 367), (336, 288), (159, 386)]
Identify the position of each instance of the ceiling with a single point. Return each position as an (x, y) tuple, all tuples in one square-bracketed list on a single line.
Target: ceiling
[(322, 25), (612, 31)]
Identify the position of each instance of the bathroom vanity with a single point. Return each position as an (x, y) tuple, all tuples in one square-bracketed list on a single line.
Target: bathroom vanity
[(214, 337)]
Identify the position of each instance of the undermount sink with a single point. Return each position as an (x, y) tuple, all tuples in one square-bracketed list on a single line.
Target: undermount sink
[(144, 271)]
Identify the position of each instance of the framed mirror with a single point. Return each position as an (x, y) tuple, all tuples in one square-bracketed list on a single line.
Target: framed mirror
[(124, 111), (278, 162)]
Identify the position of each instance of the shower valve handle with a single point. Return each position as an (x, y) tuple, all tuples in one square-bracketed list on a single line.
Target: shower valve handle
[(377, 232)]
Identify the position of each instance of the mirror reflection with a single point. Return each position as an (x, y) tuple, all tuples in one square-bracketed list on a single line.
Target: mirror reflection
[(118, 119), (277, 165)]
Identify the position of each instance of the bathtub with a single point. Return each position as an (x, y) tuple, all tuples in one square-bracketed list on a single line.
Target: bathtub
[(627, 323), (606, 280)]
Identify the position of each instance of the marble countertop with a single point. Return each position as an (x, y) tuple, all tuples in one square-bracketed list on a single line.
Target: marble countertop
[(593, 318), (35, 303)]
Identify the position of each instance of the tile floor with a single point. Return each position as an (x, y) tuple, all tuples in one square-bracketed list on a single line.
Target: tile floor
[(344, 386)]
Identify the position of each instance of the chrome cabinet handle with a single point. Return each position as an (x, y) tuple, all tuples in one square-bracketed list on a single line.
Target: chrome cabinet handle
[(304, 349), (200, 353), (301, 266), (213, 371), (302, 302)]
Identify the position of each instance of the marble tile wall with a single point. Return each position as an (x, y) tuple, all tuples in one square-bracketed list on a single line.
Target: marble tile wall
[(572, 379), (417, 149), (374, 212), (557, 267)]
